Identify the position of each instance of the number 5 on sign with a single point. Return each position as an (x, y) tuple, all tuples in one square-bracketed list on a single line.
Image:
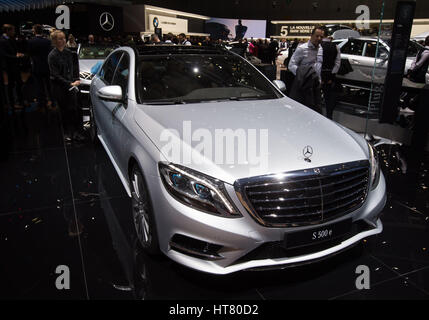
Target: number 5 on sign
[(284, 31)]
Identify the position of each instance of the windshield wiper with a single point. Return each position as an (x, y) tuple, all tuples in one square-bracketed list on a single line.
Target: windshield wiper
[(250, 98), (164, 102), (176, 101), (185, 101)]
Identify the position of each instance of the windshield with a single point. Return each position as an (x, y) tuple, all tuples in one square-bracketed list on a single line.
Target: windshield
[(94, 52), (413, 48), (188, 78)]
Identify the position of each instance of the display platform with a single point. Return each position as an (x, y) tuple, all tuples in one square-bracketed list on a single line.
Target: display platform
[(63, 204)]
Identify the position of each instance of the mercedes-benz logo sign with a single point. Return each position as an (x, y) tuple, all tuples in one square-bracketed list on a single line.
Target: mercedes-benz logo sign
[(155, 22), (106, 21), (307, 152)]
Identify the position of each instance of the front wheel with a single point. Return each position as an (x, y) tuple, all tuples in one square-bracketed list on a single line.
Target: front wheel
[(143, 217)]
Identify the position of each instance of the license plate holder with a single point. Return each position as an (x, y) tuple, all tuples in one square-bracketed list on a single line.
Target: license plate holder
[(317, 235)]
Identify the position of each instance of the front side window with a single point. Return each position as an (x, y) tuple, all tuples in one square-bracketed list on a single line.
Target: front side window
[(109, 67), (186, 78), (121, 75)]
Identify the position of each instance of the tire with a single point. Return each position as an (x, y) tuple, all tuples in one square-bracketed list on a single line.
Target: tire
[(93, 131), (142, 213)]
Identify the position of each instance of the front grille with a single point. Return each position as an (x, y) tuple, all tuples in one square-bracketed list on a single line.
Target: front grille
[(305, 197)]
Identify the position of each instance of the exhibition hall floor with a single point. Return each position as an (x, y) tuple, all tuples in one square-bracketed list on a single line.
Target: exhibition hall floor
[(65, 205)]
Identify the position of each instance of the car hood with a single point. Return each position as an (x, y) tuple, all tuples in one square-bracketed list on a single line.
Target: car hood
[(273, 137), (85, 65)]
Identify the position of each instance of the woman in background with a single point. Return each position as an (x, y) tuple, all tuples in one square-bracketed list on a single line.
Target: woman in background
[(71, 43)]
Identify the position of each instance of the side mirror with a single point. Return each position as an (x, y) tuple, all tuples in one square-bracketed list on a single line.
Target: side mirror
[(384, 56), (111, 93), (280, 85)]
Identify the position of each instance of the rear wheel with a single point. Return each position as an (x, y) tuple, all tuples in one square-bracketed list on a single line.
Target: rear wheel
[(143, 217)]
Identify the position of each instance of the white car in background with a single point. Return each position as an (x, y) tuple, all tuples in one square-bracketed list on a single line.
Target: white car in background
[(358, 54), (282, 55)]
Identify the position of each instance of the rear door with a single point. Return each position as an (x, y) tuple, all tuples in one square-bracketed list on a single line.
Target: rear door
[(352, 51)]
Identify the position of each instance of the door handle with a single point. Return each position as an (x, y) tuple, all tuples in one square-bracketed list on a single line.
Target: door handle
[(355, 61)]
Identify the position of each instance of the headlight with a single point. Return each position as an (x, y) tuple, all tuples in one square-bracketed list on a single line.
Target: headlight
[(375, 166), (197, 190)]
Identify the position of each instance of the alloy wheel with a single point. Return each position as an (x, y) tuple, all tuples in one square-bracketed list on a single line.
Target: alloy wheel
[(141, 209)]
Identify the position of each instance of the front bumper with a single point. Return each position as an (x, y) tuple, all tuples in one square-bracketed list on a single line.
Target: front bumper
[(240, 237)]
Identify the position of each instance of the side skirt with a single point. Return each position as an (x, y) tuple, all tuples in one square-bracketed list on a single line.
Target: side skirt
[(118, 171)]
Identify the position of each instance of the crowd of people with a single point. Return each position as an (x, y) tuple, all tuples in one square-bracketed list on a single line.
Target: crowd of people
[(41, 70), (47, 62)]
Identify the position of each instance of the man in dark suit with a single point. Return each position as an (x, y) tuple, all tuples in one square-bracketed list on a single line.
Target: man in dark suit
[(64, 75), (39, 48), (240, 30), (10, 58), (273, 48)]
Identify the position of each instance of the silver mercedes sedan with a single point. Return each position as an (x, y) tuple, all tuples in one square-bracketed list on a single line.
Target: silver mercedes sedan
[(226, 173)]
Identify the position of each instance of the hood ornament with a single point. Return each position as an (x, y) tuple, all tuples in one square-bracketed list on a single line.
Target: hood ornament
[(307, 152)]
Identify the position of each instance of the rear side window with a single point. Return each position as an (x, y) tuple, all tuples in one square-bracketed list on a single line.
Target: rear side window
[(354, 47), (109, 67)]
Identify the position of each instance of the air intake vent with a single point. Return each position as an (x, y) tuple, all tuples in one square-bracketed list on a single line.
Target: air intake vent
[(195, 248)]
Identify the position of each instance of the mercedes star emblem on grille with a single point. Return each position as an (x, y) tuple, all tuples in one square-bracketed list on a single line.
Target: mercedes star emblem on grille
[(307, 152), (106, 21)]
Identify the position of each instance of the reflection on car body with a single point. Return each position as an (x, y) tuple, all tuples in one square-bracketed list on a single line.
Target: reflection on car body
[(221, 216)]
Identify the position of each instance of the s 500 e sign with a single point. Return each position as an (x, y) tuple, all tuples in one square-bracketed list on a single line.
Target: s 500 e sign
[(317, 235)]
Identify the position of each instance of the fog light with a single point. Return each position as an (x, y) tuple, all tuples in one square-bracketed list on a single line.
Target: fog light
[(195, 248)]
